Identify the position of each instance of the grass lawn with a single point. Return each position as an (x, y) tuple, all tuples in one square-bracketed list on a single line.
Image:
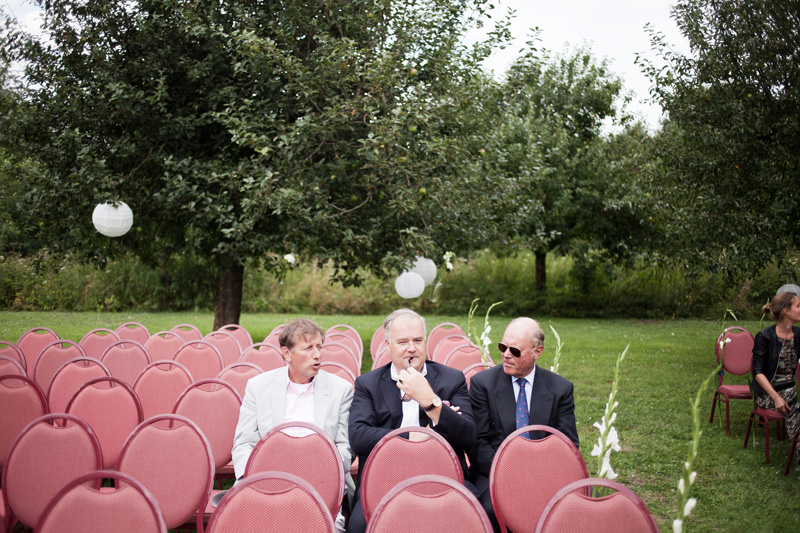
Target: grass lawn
[(665, 365)]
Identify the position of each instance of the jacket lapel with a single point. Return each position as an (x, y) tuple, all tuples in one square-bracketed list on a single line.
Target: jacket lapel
[(505, 403), (541, 400), (322, 394), (391, 397)]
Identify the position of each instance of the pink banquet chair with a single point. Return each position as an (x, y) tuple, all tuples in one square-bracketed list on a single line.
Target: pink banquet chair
[(125, 359), (10, 365), (95, 342), (69, 378), (226, 343), (51, 358), (272, 501), (31, 344), (23, 401), (273, 339), (473, 369), (240, 333), (162, 345), (238, 374), (133, 331), (112, 409), (439, 332), (127, 507), (351, 333), (50, 452), (11, 350), (377, 341), (264, 355), (187, 332), (201, 358), (341, 338), (340, 353), (737, 361), (160, 385), (447, 345), (463, 356), (382, 358), (338, 369)]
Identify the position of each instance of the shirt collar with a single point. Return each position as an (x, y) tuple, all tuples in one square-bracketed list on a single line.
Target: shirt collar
[(528, 378), (393, 371)]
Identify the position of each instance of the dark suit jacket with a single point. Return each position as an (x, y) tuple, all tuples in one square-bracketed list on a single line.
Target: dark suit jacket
[(377, 410), (494, 407)]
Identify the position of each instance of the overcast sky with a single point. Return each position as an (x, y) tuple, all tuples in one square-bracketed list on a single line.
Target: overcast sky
[(613, 28)]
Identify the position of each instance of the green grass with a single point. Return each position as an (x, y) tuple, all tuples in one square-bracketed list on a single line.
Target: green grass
[(665, 365)]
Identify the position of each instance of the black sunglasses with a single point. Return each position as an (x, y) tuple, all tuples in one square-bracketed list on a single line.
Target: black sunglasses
[(514, 351)]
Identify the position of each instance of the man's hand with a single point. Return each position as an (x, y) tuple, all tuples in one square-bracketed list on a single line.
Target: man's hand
[(415, 386)]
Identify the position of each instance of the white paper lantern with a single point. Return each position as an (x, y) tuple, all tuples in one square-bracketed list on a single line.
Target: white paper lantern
[(409, 285), (426, 268), (112, 221)]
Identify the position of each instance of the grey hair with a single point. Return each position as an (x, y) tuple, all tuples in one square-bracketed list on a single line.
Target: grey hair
[(298, 330), (537, 333), (403, 311)]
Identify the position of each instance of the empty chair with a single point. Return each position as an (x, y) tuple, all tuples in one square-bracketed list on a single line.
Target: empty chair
[(133, 331), (160, 385), (377, 341), (162, 345), (349, 331), (128, 507), (112, 410), (271, 501), (265, 356), (10, 365), (462, 357), (382, 358), (50, 452), (50, 360), (12, 351), (737, 361), (201, 358), (187, 332), (429, 503), (95, 342), (125, 359), (396, 458), (573, 509), (240, 333), (227, 345), (31, 344), (170, 456), (447, 344), (341, 338), (473, 369), (338, 369), (273, 339), (280, 449), (23, 401), (536, 468), (69, 378), (441, 331), (340, 353), (238, 374)]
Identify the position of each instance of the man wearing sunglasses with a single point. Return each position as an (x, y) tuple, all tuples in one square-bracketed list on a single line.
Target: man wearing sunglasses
[(503, 403)]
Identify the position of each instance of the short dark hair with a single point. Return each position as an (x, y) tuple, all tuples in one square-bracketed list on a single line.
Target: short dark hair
[(298, 329)]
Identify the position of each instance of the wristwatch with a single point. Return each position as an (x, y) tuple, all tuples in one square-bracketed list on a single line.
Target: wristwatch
[(437, 402)]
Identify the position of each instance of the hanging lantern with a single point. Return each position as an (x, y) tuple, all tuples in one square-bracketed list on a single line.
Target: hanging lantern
[(426, 268), (111, 220), (409, 285)]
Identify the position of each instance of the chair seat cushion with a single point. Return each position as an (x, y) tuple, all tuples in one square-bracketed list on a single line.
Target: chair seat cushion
[(736, 392)]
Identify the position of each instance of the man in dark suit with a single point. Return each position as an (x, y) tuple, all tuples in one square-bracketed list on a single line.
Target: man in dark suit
[(499, 401), (409, 391)]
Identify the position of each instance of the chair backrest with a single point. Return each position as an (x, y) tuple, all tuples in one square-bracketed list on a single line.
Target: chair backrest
[(240, 333), (348, 331), (738, 359), (572, 509), (214, 406), (441, 331), (172, 458), (446, 345), (341, 338), (69, 378), (273, 339), (382, 358), (264, 355), (227, 344), (31, 344), (271, 501), (334, 351), (396, 458), (160, 385), (95, 342), (133, 331), (11, 350), (283, 449), (473, 369), (46, 456), (128, 507), (429, 503), (125, 359), (201, 358), (376, 342), (22, 401), (52, 357), (463, 356), (187, 332), (536, 468), (238, 374), (112, 409), (11, 365), (338, 369), (162, 345)]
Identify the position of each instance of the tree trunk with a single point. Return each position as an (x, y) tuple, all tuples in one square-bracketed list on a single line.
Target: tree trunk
[(229, 296), (541, 272)]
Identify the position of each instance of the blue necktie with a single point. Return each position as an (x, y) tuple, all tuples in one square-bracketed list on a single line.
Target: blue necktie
[(522, 405)]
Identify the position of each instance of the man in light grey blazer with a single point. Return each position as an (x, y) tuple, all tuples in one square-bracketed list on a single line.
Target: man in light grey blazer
[(299, 391)]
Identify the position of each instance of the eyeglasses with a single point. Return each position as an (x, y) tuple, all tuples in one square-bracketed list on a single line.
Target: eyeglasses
[(516, 352)]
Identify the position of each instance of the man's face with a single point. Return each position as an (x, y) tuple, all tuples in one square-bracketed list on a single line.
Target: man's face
[(407, 343), (519, 335), (304, 358)]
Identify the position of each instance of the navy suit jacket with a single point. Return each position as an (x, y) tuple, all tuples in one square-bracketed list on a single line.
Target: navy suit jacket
[(494, 408), (377, 410)]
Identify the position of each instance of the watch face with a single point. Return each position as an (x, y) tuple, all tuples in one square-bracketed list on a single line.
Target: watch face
[(437, 402)]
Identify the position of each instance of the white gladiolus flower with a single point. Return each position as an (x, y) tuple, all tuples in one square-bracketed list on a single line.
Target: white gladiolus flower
[(606, 471), (681, 486), (690, 503), (692, 477), (289, 258), (677, 526), (448, 256), (613, 439)]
